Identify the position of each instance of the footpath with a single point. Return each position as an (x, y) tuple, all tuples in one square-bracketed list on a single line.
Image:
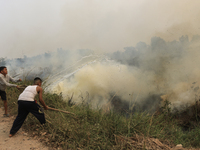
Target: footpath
[(20, 141)]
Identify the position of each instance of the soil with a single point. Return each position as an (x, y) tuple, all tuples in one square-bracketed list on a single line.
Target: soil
[(20, 141)]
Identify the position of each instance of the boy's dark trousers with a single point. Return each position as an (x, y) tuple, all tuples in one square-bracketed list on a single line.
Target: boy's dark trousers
[(24, 107)]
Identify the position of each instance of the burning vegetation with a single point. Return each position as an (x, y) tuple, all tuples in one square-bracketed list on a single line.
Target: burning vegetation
[(139, 76)]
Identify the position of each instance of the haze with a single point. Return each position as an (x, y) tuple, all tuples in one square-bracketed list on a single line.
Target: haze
[(35, 27)]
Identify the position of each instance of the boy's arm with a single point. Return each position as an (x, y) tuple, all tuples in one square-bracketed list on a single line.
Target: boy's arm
[(39, 89), (4, 82), (13, 80)]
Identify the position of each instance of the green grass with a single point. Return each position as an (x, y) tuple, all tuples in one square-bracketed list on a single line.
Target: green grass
[(95, 129)]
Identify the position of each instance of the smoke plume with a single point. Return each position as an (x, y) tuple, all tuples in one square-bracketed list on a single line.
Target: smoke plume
[(143, 75)]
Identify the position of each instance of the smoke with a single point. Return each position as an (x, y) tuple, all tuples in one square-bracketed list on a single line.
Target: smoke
[(96, 83), (173, 67), (130, 72), (45, 65), (162, 68), (34, 27), (141, 76)]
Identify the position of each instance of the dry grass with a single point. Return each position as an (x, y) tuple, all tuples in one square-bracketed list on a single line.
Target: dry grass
[(95, 129)]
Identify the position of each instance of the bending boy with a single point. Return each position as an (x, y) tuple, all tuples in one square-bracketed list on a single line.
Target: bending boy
[(4, 82), (26, 104)]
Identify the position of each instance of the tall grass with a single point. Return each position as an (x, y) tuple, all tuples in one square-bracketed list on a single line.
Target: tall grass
[(95, 129)]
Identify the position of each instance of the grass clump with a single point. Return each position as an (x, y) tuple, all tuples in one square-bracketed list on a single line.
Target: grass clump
[(93, 129)]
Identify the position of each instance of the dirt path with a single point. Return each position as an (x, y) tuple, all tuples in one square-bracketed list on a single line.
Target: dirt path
[(20, 141)]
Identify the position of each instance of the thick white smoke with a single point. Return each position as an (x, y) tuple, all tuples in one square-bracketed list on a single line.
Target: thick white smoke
[(139, 75)]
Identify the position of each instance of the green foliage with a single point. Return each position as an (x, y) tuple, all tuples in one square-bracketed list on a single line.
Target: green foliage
[(97, 129)]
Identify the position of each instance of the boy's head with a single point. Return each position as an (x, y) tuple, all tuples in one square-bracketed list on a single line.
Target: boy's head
[(38, 81), (3, 70)]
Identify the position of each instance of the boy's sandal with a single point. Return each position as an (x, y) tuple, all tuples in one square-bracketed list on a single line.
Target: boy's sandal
[(6, 115)]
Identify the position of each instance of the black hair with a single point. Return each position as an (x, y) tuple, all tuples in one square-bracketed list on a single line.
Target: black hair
[(37, 79), (1, 68)]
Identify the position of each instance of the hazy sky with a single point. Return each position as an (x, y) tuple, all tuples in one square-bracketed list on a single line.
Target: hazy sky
[(32, 27)]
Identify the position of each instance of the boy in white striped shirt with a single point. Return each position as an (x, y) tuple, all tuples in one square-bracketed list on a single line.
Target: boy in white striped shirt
[(4, 82)]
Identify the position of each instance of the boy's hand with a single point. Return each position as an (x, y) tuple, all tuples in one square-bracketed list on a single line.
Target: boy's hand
[(46, 107)]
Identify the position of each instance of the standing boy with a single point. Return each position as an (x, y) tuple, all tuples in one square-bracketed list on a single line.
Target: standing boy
[(26, 104), (4, 82)]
